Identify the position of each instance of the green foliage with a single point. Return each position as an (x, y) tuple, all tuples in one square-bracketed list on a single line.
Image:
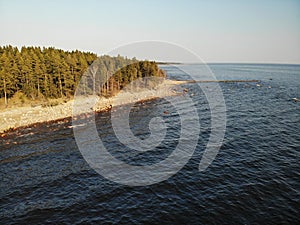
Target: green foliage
[(47, 73), (133, 71)]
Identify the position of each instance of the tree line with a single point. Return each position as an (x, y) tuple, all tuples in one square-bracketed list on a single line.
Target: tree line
[(43, 73)]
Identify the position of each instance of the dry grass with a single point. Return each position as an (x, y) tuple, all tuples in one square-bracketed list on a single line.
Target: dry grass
[(21, 100)]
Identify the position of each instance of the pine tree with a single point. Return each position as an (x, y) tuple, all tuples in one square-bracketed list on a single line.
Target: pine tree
[(54, 73)]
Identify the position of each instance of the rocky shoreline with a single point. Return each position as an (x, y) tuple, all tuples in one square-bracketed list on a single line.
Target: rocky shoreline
[(22, 117)]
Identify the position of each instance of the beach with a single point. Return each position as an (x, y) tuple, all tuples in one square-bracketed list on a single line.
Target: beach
[(13, 118)]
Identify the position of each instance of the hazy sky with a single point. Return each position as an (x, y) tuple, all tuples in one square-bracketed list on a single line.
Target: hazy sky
[(218, 31)]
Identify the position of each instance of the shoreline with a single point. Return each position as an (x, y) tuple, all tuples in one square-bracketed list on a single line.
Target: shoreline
[(8, 136), (24, 117)]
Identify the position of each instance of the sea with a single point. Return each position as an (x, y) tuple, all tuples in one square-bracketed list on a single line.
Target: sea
[(253, 179)]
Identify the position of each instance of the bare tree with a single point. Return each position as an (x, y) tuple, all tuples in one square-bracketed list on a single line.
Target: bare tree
[(93, 70)]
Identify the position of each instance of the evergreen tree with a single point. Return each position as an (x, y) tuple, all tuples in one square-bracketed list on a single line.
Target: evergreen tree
[(54, 73)]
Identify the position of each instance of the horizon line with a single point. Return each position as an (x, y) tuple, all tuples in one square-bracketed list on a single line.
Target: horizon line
[(158, 61), (232, 62)]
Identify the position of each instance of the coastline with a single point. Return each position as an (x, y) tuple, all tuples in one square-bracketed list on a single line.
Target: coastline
[(23, 117)]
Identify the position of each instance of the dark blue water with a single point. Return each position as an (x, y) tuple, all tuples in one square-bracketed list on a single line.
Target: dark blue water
[(255, 178)]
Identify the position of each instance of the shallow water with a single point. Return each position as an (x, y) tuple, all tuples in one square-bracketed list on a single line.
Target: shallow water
[(253, 180)]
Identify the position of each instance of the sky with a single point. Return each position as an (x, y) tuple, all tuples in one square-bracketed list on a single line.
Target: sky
[(256, 31)]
